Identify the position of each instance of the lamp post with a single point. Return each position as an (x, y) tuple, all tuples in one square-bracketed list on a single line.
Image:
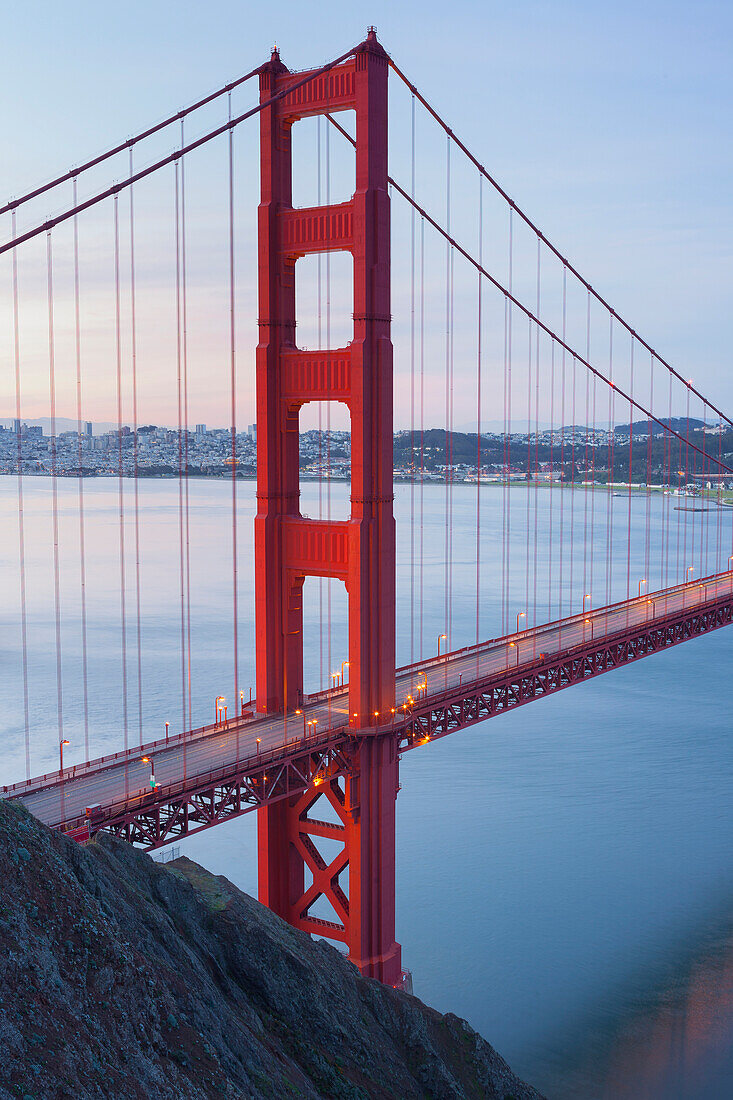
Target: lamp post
[(585, 597), (217, 709), (241, 702), (520, 615), (585, 623), (61, 753), (344, 664), (642, 581), (149, 760), (301, 712), (167, 730)]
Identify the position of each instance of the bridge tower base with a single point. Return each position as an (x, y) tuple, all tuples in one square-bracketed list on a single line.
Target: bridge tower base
[(295, 873), (359, 551)]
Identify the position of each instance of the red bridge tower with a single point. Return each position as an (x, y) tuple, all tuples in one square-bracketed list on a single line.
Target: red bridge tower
[(359, 551)]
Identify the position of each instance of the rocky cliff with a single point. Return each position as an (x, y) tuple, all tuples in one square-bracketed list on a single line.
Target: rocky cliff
[(124, 978)]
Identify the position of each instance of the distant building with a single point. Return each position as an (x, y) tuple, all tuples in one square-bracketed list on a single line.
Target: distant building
[(252, 431), (200, 430), (34, 431), (88, 428)]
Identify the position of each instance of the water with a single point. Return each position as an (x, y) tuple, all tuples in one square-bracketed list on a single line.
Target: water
[(564, 873)]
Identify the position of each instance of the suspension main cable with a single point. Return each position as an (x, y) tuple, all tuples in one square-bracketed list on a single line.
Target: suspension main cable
[(510, 298), (556, 252), (513, 301), (129, 143), (172, 157)]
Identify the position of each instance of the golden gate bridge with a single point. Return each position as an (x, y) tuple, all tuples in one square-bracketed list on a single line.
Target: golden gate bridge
[(509, 305)]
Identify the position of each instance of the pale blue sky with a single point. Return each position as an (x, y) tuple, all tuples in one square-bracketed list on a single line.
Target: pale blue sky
[(610, 124)]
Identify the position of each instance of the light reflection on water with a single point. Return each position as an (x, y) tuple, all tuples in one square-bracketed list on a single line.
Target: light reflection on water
[(564, 873)]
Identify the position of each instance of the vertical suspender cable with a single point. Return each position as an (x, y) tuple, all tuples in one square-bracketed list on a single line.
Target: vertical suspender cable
[(179, 396), (120, 484), (329, 584), (650, 437), (561, 562), (233, 389), (610, 453), (446, 566), (422, 427), (631, 453), (588, 584), (550, 616), (135, 462), (184, 344), (536, 436), (322, 679), (479, 334), (54, 496), (508, 432), (80, 479), (21, 516), (528, 479), (412, 390)]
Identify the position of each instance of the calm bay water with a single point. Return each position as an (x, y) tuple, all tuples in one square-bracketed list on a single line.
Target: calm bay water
[(564, 874)]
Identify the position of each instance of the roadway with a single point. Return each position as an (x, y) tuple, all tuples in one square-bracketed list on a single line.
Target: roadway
[(216, 747)]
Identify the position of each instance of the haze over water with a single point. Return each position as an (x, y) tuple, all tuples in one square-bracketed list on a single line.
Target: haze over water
[(564, 874)]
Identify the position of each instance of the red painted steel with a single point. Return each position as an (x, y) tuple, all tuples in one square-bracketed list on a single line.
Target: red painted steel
[(359, 551), (154, 818)]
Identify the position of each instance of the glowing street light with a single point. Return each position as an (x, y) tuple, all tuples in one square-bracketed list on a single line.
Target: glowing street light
[(167, 730), (149, 760), (642, 581), (441, 638), (217, 709), (61, 753), (586, 597), (520, 615), (344, 664), (689, 572)]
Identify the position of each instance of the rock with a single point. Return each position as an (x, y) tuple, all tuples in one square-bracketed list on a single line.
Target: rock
[(162, 980)]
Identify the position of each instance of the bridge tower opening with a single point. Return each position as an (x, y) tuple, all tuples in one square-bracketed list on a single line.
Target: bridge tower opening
[(359, 551)]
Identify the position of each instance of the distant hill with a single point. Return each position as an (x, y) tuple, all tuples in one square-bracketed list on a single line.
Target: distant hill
[(63, 424), (677, 423)]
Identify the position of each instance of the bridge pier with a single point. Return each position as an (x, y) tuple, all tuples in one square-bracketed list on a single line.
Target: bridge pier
[(364, 803)]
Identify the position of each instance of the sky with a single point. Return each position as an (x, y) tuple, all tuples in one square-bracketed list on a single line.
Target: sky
[(610, 125)]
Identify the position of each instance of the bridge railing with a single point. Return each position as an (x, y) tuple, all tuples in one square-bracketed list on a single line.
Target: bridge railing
[(250, 767), (232, 724), (99, 763)]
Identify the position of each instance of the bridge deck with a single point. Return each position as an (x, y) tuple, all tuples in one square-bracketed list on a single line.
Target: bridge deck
[(215, 757)]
